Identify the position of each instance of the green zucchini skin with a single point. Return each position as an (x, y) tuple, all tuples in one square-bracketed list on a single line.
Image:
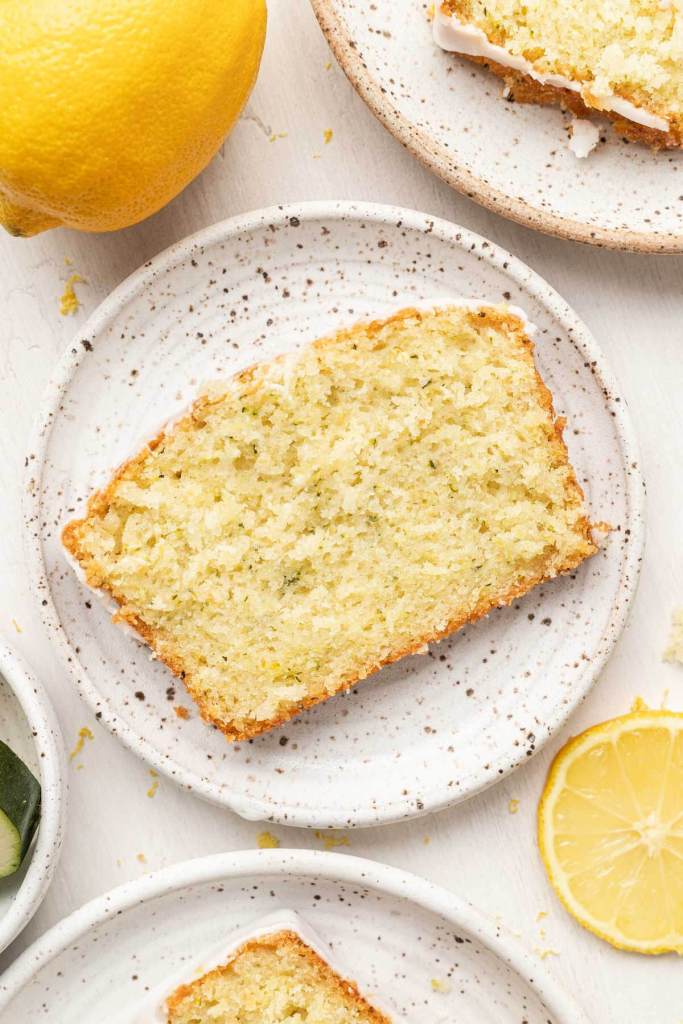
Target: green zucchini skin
[(19, 803)]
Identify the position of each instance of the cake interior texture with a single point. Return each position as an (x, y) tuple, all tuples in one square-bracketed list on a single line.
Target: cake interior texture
[(323, 514), (273, 980), (631, 49)]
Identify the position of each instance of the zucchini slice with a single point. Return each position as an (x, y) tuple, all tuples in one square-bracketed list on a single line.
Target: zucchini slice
[(19, 810)]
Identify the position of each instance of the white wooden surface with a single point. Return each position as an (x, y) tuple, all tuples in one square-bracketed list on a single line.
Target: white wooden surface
[(633, 304)]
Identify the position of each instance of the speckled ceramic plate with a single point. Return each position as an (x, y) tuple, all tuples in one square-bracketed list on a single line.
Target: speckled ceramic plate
[(390, 931), (511, 157), (28, 725), (429, 730)]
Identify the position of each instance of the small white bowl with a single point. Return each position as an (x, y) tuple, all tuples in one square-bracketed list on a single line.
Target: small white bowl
[(29, 726)]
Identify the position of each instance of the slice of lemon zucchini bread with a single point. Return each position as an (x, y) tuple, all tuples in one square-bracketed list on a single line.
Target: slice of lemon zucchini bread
[(621, 57), (277, 979), (324, 514)]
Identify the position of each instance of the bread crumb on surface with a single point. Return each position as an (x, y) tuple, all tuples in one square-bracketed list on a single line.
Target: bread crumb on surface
[(513, 806), (267, 841), (181, 712), (327, 136), (330, 841), (83, 734), (69, 302), (673, 652), (141, 857)]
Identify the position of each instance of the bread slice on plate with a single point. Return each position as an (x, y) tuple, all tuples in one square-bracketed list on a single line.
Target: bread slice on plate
[(316, 517), (623, 58), (275, 979)]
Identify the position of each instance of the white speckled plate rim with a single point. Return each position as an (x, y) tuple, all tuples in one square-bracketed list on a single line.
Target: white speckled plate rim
[(51, 757), (456, 236), (335, 867), (438, 159)]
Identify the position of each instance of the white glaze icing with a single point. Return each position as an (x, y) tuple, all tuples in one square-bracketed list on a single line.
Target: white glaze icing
[(584, 137), (152, 1010), (452, 35)]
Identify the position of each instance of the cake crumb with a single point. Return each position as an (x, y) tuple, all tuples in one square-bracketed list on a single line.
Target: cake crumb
[(328, 135), (541, 914), (674, 648), (69, 302), (181, 712), (278, 135), (155, 783), (330, 841), (583, 137), (141, 857), (440, 986), (426, 840), (328, 65), (513, 806), (267, 841), (430, 12), (638, 705), (17, 626), (83, 735)]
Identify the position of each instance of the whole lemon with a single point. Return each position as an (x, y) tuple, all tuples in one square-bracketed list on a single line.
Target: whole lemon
[(108, 108)]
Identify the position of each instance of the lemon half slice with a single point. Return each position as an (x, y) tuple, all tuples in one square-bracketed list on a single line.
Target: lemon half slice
[(610, 830)]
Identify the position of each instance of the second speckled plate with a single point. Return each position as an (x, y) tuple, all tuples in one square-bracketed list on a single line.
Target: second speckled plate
[(414, 949), (511, 157), (429, 730)]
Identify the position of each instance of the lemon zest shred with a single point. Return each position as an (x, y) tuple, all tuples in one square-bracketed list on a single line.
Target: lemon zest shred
[(151, 792), (543, 954), (639, 705), (69, 302), (267, 841), (83, 735), (331, 841)]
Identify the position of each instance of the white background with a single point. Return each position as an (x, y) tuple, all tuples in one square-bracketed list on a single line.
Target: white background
[(633, 305)]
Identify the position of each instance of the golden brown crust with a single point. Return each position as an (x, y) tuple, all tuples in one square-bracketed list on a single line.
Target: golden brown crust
[(524, 89), (240, 730), (347, 989)]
